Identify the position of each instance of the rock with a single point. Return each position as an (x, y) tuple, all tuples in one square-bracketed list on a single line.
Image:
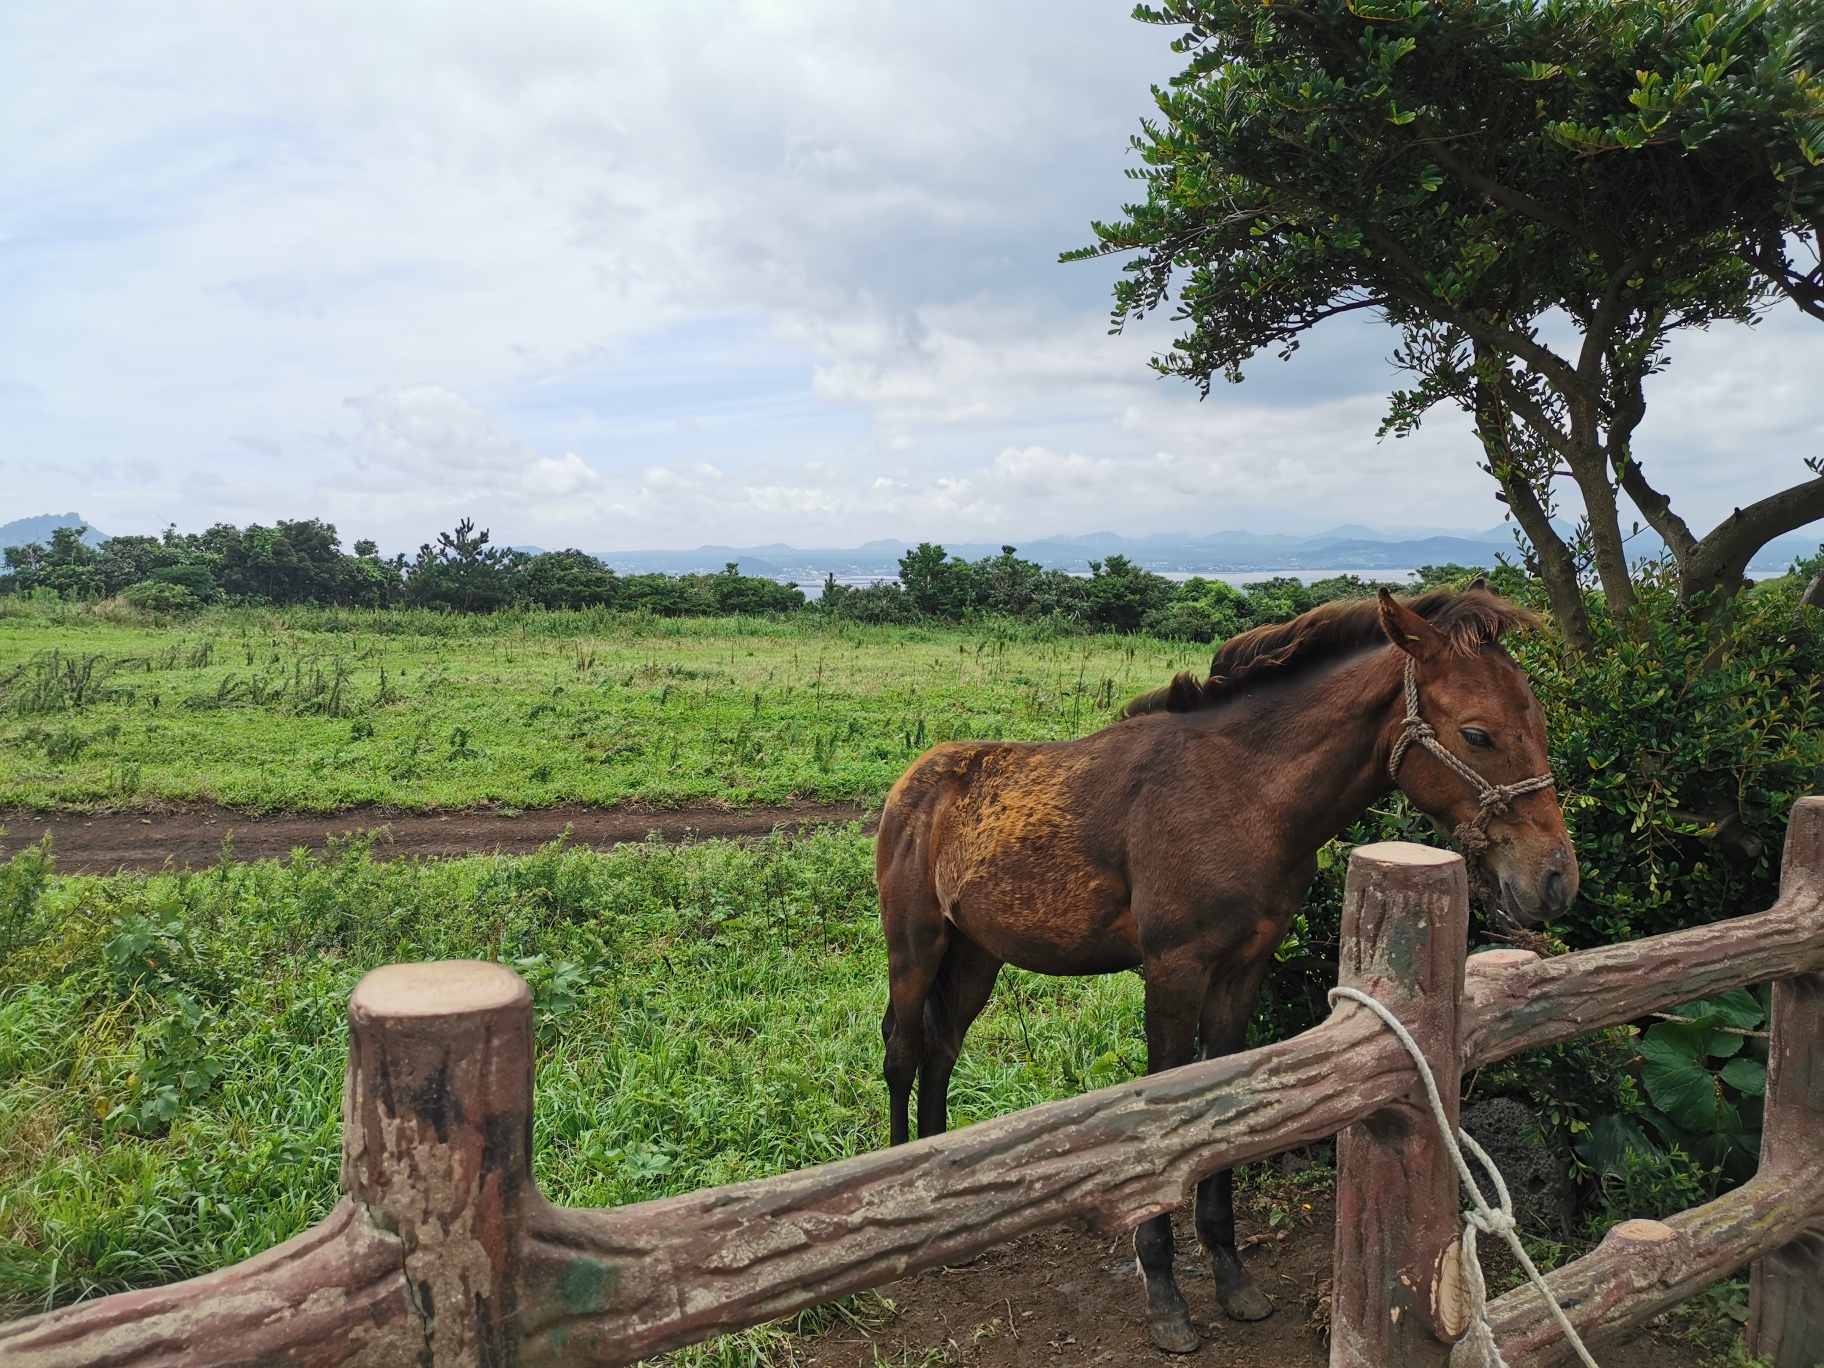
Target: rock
[(1536, 1173)]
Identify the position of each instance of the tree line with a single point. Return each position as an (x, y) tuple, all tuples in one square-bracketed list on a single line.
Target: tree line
[(300, 563)]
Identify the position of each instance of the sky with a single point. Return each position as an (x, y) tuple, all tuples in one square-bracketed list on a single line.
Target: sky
[(622, 275)]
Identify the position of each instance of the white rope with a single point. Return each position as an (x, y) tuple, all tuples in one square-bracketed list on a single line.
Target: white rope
[(1477, 1348)]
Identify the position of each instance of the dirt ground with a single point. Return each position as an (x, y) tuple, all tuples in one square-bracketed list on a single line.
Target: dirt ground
[(191, 835), (1068, 1298)]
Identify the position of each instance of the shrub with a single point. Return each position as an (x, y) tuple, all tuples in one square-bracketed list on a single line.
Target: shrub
[(881, 603), (1679, 753), (159, 596), (198, 579)]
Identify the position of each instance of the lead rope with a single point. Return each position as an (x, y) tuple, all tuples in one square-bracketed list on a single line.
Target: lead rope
[(1477, 1348)]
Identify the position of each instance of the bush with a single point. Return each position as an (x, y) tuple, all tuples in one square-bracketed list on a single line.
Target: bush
[(159, 596), (198, 579), (881, 603), (1679, 756)]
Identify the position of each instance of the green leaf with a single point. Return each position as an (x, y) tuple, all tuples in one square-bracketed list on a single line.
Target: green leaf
[(1747, 1076), (1686, 1094), (1738, 1008), (1673, 1045)]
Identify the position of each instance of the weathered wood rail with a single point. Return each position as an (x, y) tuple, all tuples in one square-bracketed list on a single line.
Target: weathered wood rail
[(442, 1251)]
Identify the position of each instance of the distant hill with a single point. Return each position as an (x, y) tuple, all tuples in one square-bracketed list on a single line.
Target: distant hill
[(25, 531), (1351, 547)]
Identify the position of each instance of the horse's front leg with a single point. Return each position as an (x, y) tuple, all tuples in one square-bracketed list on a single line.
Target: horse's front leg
[(1173, 995), (1226, 1009)]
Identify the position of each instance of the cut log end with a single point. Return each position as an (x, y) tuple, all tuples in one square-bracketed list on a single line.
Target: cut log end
[(1640, 1232), (1405, 853), (446, 988)]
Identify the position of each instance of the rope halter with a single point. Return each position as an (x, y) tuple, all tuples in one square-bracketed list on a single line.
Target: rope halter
[(1494, 799)]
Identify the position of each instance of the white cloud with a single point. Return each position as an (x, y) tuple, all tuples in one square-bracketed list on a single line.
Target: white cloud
[(424, 440)]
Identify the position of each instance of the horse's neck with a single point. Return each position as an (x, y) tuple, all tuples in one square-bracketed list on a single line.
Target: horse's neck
[(1329, 732)]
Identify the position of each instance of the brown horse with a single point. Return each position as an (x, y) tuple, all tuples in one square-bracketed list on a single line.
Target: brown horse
[(1182, 838)]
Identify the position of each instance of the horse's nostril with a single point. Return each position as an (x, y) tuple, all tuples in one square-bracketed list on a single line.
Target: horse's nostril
[(1554, 893)]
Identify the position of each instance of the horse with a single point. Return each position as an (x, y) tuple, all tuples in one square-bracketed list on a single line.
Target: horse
[(1181, 838)]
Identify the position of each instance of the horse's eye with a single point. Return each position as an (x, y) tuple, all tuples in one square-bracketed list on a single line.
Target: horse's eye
[(1477, 738)]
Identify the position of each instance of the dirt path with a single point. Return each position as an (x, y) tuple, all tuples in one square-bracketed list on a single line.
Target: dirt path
[(1074, 1300), (192, 835)]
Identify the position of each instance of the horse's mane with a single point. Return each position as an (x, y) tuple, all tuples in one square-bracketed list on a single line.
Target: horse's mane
[(1469, 620)]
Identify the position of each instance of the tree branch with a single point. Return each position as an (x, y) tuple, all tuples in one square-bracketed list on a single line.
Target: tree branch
[(1605, 244), (1722, 557), (1548, 362), (1805, 290), (1656, 508)]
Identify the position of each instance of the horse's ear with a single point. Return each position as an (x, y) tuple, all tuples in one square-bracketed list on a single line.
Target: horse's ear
[(1407, 630), (1479, 582)]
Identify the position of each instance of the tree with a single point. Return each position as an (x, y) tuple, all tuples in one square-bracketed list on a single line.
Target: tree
[(1121, 594), (733, 592), (938, 583), (463, 572), (566, 579), (289, 562), (1469, 171)]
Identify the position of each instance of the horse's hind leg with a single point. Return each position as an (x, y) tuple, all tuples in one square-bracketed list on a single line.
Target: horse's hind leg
[(917, 936), (963, 985), (1225, 1028)]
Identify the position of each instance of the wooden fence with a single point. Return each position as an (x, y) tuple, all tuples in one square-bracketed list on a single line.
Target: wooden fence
[(442, 1252)]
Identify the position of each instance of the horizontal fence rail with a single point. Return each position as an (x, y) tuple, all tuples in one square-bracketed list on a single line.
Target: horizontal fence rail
[(442, 1251)]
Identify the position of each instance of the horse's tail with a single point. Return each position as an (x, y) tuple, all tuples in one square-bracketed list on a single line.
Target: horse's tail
[(1183, 694)]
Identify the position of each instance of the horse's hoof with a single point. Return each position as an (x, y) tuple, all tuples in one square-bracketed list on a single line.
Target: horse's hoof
[(1173, 1332), (1244, 1301)]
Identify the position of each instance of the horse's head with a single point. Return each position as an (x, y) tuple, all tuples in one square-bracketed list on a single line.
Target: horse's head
[(1476, 709)]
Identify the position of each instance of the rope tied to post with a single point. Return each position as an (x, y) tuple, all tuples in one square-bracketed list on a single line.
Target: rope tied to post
[(1477, 1348)]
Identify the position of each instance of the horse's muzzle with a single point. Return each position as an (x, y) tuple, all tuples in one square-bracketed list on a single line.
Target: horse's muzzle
[(1527, 902)]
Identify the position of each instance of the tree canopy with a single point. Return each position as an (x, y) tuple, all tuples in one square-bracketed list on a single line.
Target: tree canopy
[(1480, 173)]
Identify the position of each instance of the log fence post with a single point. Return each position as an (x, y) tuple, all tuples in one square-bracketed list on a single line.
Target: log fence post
[(1396, 1298), (437, 1145), (1786, 1287)]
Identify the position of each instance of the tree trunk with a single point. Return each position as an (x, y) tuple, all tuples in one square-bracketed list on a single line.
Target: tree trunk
[(1555, 565), (1592, 476)]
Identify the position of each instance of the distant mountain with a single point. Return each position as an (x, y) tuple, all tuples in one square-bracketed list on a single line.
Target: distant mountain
[(25, 531), (1349, 548), (1353, 546)]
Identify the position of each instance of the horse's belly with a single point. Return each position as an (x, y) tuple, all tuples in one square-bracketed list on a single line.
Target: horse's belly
[(1050, 929)]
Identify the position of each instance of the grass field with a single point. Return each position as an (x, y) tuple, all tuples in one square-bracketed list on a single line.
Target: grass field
[(172, 1046), (314, 710)]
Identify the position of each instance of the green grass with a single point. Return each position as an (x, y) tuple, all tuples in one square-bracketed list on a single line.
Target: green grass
[(315, 710), (172, 1046)]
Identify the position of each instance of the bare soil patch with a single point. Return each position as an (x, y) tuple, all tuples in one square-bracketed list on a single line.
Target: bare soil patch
[(191, 835), (1069, 1299)]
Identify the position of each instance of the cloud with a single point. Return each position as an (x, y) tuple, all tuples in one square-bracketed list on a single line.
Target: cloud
[(423, 437)]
